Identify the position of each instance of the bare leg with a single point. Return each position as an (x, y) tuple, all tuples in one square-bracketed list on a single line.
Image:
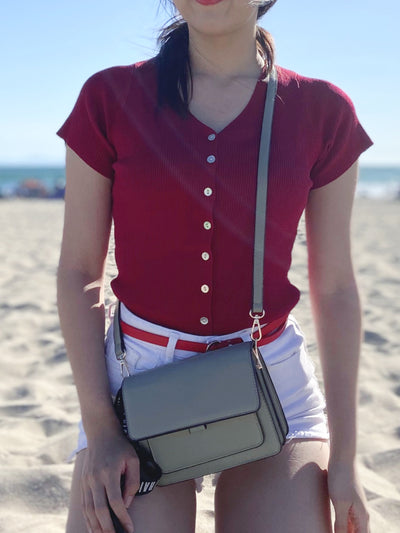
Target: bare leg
[(287, 492), (166, 510)]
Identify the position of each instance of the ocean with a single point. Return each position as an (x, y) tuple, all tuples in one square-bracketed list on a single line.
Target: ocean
[(32, 181), (374, 182)]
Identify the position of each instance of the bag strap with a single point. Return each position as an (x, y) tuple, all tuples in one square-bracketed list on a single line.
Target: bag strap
[(261, 200)]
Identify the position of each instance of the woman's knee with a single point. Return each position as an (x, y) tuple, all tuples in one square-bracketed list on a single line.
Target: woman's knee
[(287, 492), (170, 509), (76, 522)]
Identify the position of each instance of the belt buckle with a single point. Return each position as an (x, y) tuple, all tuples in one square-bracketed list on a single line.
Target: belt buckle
[(211, 346), (214, 345)]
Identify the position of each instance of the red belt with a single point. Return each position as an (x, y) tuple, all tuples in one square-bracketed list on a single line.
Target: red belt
[(270, 332)]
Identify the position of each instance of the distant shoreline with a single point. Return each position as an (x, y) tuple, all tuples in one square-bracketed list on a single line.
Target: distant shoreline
[(377, 182)]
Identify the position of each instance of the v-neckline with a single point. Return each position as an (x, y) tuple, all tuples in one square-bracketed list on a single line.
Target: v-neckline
[(238, 117)]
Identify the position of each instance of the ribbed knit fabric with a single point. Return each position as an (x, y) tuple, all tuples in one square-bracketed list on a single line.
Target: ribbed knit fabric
[(184, 196)]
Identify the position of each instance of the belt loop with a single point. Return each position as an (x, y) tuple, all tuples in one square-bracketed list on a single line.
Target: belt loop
[(170, 350)]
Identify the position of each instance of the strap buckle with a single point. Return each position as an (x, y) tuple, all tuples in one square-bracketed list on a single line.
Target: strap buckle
[(123, 364), (256, 334)]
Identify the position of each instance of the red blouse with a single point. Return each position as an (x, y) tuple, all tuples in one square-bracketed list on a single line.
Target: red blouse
[(184, 196)]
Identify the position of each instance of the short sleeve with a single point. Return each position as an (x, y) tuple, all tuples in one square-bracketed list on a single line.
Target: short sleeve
[(87, 130), (343, 139)]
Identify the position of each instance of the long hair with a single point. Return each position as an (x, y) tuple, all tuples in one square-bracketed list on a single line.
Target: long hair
[(173, 61)]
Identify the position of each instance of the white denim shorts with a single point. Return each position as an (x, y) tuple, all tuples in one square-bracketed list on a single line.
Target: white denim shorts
[(291, 369)]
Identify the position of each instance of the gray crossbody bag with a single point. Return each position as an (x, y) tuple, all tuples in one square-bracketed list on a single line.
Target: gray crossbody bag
[(214, 410)]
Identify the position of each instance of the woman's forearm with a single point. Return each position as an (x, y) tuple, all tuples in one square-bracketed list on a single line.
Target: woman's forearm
[(337, 318), (81, 310)]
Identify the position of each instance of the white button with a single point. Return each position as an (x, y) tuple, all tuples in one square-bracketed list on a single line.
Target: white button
[(211, 159), (204, 320), (212, 137), (205, 256), (207, 225), (205, 289), (208, 191)]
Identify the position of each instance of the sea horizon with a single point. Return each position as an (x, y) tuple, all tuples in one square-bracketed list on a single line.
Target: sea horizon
[(375, 181)]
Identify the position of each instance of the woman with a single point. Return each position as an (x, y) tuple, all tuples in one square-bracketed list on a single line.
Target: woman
[(168, 149)]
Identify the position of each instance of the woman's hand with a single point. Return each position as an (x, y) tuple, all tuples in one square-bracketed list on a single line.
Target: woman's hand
[(348, 499), (109, 457)]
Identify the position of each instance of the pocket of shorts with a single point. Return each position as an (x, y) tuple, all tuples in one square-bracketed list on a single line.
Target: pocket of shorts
[(282, 359), (140, 355), (286, 346), (144, 356)]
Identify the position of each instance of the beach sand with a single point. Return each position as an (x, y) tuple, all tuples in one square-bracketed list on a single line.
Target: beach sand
[(38, 402)]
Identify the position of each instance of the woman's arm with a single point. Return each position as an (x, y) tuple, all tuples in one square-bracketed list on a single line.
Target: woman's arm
[(337, 316), (81, 308), (84, 247)]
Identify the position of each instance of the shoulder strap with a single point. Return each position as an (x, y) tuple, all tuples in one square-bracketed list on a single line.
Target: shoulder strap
[(261, 201)]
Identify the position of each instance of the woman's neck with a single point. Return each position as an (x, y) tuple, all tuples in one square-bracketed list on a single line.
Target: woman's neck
[(225, 57)]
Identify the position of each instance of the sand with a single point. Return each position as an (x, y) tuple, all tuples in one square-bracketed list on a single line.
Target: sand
[(38, 402)]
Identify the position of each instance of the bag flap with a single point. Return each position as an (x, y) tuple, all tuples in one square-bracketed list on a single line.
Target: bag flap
[(199, 390)]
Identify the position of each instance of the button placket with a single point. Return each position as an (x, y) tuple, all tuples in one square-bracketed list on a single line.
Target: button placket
[(208, 193)]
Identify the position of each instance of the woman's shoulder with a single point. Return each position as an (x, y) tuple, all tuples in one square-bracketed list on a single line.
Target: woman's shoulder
[(315, 92), (114, 79)]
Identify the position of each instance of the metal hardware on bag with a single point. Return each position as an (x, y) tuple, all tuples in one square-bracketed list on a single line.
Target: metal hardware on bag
[(256, 328), (120, 352), (123, 364), (256, 354), (257, 315)]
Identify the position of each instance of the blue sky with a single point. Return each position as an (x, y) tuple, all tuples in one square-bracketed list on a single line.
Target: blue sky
[(48, 49)]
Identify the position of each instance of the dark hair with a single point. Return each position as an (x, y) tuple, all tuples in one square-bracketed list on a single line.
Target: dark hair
[(173, 62)]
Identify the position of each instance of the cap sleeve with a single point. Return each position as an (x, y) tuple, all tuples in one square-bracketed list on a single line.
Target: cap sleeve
[(87, 130), (343, 137)]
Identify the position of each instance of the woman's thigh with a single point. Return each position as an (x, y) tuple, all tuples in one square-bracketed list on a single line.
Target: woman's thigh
[(287, 492), (166, 510)]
